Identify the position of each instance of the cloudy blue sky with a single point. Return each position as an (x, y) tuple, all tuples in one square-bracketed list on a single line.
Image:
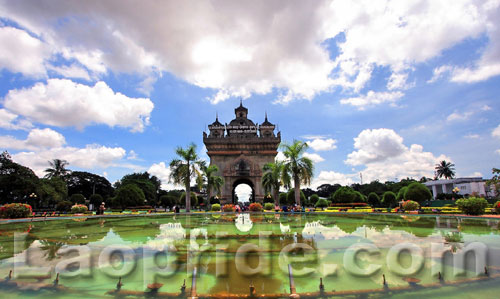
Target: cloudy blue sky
[(382, 88)]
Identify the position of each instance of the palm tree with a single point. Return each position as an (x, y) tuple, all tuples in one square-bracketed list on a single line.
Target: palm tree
[(272, 179), (182, 170), (57, 169), (445, 169), (299, 168), (214, 182)]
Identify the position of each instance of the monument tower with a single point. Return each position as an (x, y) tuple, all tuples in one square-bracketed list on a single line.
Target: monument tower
[(240, 150)]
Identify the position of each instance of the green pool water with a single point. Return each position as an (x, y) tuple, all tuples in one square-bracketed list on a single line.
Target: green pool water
[(350, 252)]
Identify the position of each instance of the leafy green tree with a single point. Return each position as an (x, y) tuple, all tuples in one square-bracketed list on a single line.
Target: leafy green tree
[(327, 190), (283, 198), (184, 169), (213, 181), (321, 203), (272, 178), (87, 183), (313, 199), (64, 206), (53, 190), (17, 182), (345, 195), (359, 197), (445, 169), (149, 184), (297, 168), (77, 198), (373, 199), (57, 169), (389, 199), (168, 200), (96, 200), (401, 193), (129, 196), (193, 198), (290, 197), (418, 192)]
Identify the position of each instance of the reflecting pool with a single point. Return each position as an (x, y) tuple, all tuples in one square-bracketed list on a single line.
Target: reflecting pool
[(245, 255)]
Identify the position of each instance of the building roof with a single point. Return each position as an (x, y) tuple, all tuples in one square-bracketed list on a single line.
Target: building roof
[(266, 122), (454, 181), (241, 108)]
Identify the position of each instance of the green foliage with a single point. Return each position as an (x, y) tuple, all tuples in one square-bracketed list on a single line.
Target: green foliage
[(313, 199), (389, 199), (401, 193), (214, 199), (87, 183), (373, 199), (472, 205), (77, 198), (410, 205), (64, 206), (213, 182), (168, 200), (290, 197), (283, 198), (268, 199), (149, 184), (16, 181), (346, 195), (418, 192), (494, 182), (273, 178), (215, 207), (79, 209), (52, 190), (15, 210), (445, 169), (321, 203), (96, 199), (129, 196), (296, 168), (327, 190), (194, 199), (57, 169), (268, 206)]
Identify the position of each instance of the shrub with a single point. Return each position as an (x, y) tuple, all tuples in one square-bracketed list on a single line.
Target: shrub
[(77, 198), (418, 192), (167, 200), (255, 207), (401, 193), (321, 203), (79, 209), (373, 199), (290, 197), (282, 198), (64, 206), (268, 206), (389, 199), (96, 199), (410, 205), (345, 195), (496, 206), (472, 205), (313, 199), (129, 196), (15, 210), (228, 208), (268, 198), (216, 207)]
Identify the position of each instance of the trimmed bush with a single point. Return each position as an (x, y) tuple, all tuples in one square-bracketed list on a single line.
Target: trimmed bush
[(77, 198), (373, 199), (96, 199), (290, 197), (345, 195), (389, 199), (79, 209), (129, 196), (472, 205), (255, 207), (64, 206), (215, 207), (194, 199), (228, 208), (268, 206), (410, 205), (313, 199), (15, 210), (321, 203), (418, 192), (401, 193)]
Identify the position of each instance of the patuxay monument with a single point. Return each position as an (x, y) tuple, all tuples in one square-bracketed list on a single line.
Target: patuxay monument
[(240, 149)]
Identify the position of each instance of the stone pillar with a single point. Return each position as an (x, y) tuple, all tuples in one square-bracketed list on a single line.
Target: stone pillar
[(434, 191), (444, 188)]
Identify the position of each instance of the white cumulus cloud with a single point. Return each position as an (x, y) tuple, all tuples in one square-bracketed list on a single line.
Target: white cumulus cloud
[(496, 132), (314, 157), (332, 177), (376, 145), (373, 98), (322, 144), (61, 102), (37, 139), (161, 171)]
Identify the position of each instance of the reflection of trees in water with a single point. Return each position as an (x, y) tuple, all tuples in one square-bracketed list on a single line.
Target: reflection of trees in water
[(50, 248), (415, 225), (474, 226), (455, 239)]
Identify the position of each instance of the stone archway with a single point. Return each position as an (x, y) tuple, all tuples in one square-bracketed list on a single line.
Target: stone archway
[(240, 150), (245, 181)]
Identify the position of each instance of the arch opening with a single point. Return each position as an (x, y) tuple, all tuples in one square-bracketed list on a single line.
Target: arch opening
[(243, 192)]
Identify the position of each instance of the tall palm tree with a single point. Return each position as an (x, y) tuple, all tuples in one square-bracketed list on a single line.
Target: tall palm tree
[(214, 182), (298, 168), (185, 168), (57, 169), (445, 169), (272, 179)]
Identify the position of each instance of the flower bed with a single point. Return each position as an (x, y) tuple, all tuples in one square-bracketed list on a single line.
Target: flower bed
[(228, 208), (79, 209), (15, 210), (255, 207)]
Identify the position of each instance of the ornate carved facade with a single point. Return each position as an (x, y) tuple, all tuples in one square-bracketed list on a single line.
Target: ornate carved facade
[(240, 149)]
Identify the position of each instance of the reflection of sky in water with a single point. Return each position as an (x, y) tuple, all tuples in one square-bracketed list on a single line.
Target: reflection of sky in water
[(243, 222)]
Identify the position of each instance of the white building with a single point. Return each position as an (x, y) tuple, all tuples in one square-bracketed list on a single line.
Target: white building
[(465, 186)]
